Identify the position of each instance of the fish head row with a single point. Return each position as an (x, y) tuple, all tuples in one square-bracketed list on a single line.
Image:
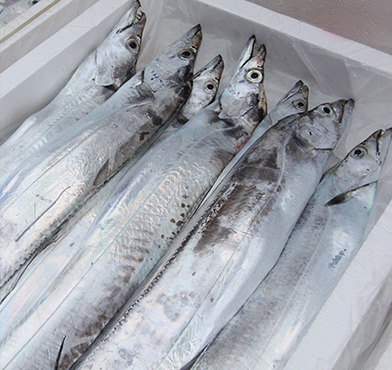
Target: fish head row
[(205, 87), (245, 95), (174, 65), (322, 127), (117, 55)]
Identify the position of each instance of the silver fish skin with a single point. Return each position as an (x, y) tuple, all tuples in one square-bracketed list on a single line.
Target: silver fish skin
[(42, 195), (263, 334), (104, 71), (25, 298), (209, 272), (204, 90), (295, 101), (135, 226), (10, 12)]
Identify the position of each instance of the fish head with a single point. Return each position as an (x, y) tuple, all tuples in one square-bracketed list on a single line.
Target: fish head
[(174, 65), (294, 102), (205, 87), (363, 163), (117, 55), (322, 127), (244, 94)]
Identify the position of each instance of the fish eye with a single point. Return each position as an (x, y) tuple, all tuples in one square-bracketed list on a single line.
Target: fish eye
[(186, 54), (33, 2), (254, 75), (358, 152), (327, 110), (133, 45), (210, 87), (299, 104)]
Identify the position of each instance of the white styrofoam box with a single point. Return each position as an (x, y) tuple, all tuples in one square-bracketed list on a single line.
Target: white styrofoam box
[(333, 68), (35, 25)]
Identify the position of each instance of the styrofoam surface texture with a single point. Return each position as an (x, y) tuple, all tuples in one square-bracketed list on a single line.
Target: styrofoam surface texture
[(333, 68), (35, 25)]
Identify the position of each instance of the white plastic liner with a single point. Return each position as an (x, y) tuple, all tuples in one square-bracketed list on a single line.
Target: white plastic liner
[(333, 68)]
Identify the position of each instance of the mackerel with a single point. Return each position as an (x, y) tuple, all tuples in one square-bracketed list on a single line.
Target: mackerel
[(264, 333), (9, 12), (34, 285), (104, 71), (209, 272), (45, 193), (137, 223)]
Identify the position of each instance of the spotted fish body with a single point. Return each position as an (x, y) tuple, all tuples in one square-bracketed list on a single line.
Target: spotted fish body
[(200, 285), (294, 102), (263, 334), (24, 301), (134, 228), (39, 198), (105, 70)]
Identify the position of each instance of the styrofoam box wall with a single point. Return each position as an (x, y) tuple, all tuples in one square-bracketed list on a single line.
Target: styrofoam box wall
[(333, 68)]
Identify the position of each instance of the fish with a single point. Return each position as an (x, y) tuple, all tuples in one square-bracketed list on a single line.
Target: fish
[(53, 186), (103, 72), (136, 225), (233, 242), (25, 298), (295, 101), (9, 12), (266, 330)]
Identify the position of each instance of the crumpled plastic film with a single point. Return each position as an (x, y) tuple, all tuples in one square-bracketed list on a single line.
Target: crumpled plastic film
[(333, 68)]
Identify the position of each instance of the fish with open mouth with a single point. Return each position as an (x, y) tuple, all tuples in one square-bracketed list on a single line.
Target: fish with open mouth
[(210, 271), (103, 72), (138, 222), (28, 296), (51, 188), (265, 331)]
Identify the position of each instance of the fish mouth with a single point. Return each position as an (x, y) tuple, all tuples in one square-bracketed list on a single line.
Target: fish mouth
[(134, 16), (216, 64), (298, 88), (194, 36), (343, 109), (383, 140)]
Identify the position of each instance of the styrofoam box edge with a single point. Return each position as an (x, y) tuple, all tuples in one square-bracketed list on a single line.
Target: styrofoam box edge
[(324, 343)]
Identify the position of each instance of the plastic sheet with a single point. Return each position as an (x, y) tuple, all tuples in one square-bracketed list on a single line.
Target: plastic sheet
[(331, 66)]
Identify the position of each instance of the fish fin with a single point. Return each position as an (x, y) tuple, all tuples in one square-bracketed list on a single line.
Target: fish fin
[(56, 366), (339, 199), (346, 196), (104, 70), (145, 90)]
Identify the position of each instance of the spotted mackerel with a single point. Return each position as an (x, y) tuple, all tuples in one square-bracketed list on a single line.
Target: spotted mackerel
[(103, 72), (45, 193), (266, 330), (138, 222)]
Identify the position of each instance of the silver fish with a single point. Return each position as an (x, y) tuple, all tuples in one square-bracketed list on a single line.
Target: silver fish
[(105, 70), (9, 12), (295, 101), (201, 284), (135, 227), (263, 334), (27, 295), (42, 195)]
